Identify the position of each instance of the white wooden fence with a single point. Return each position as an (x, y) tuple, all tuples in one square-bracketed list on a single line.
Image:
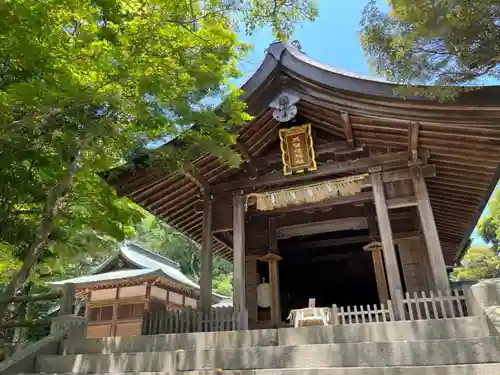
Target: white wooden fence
[(190, 320), (425, 305), (430, 305), (362, 314)]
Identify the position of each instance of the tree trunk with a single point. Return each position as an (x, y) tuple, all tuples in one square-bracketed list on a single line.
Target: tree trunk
[(52, 207)]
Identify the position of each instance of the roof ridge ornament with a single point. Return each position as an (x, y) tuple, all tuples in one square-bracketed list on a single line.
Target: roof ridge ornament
[(284, 106), (296, 45)]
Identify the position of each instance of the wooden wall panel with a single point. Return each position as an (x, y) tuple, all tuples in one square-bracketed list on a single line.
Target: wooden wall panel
[(190, 302), (158, 293), (128, 328), (414, 274), (96, 331), (103, 294), (175, 298), (132, 291)]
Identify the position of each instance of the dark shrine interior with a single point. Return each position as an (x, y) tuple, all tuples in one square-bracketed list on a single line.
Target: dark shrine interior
[(328, 268)]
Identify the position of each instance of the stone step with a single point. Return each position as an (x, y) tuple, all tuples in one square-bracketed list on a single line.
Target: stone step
[(402, 353), (417, 330), (468, 369), (165, 343), (365, 332)]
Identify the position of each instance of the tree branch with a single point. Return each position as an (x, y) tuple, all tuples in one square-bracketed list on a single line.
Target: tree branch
[(52, 208)]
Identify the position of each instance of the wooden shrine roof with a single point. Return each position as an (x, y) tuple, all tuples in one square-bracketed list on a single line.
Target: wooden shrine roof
[(462, 137)]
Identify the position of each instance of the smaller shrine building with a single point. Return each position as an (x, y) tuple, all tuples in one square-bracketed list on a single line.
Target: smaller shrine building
[(115, 295)]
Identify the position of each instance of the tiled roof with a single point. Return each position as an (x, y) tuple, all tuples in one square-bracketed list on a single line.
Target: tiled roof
[(147, 262)]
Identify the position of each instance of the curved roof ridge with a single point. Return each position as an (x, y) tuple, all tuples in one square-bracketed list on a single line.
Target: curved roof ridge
[(308, 60), (136, 247)]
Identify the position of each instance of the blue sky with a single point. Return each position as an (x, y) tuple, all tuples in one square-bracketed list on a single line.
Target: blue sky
[(332, 39)]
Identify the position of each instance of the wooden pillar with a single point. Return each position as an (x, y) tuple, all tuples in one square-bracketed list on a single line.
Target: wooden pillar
[(378, 264), (384, 224), (378, 267), (239, 259), (206, 258), (429, 229), (272, 260)]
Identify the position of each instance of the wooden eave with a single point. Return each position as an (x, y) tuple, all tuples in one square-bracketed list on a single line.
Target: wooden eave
[(463, 138)]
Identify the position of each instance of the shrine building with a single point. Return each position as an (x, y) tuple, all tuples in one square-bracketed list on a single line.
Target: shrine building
[(347, 194), (115, 295)]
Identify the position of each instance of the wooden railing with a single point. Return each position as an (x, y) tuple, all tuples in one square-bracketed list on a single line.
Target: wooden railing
[(451, 304), (362, 314), (422, 306), (190, 320)]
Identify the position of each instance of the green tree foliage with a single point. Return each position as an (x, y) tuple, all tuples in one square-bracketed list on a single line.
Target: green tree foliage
[(437, 42), (489, 225), (166, 241), (483, 261), (85, 84), (480, 262)]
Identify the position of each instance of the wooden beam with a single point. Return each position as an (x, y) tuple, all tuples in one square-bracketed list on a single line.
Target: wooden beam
[(346, 122), (428, 170), (365, 196), (352, 223), (356, 198), (402, 202), (222, 218), (391, 264), (349, 166), (332, 242), (413, 129)]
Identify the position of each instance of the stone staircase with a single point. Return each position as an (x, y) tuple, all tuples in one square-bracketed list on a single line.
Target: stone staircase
[(458, 346)]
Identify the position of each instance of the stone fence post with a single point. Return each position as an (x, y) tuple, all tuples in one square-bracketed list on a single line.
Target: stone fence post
[(67, 324), (483, 300)]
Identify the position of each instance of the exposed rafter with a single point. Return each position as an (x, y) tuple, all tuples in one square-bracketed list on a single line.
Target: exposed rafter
[(197, 179), (247, 157), (219, 237), (346, 122), (413, 130)]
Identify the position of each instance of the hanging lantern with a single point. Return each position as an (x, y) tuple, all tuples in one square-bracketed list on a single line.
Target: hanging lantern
[(264, 294)]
